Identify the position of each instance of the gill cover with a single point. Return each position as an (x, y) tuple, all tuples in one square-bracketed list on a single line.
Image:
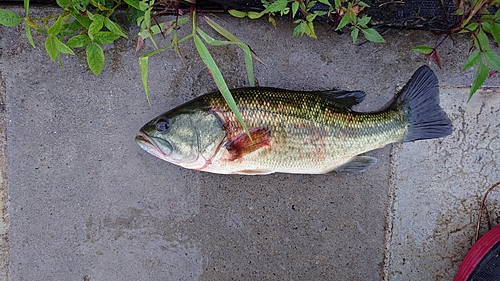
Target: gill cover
[(188, 138)]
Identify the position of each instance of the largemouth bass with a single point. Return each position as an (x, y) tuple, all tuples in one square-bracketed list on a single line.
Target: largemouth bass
[(293, 132)]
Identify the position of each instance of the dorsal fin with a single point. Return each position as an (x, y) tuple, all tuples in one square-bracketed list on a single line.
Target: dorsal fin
[(345, 98)]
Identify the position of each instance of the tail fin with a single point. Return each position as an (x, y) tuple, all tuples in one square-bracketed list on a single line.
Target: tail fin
[(419, 100)]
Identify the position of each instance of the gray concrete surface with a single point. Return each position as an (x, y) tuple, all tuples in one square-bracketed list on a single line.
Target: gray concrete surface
[(85, 202), (434, 215)]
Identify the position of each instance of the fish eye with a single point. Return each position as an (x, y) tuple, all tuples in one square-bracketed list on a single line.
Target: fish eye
[(163, 127)]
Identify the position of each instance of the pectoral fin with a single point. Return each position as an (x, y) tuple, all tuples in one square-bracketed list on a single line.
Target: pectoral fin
[(242, 144), (357, 164)]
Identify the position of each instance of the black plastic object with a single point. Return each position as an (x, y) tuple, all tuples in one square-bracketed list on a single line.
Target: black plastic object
[(489, 267), (482, 262), (434, 15)]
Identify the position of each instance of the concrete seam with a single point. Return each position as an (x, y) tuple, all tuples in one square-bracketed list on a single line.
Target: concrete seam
[(4, 195), (389, 215)]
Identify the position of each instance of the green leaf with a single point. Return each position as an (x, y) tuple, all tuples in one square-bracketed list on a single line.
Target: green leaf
[(486, 26), (84, 21), (310, 18), (237, 14), (482, 42), (270, 19), (9, 18), (481, 75), (80, 5), (143, 6), (338, 4), (473, 59), (460, 11), (310, 30), (363, 4), (50, 47), (96, 17), (72, 26), (300, 28), (95, 27), (105, 37), (63, 3), (133, 3), (470, 27), (354, 34), (61, 47), (423, 49), (219, 80), (364, 21), (78, 41), (492, 59), (254, 15), (56, 27), (27, 28), (26, 7), (95, 58), (143, 66), (326, 2), (99, 5), (373, 35), (495, 31), (113, 27), (345, 20), (277, 6), (309, 5), (295, 8)]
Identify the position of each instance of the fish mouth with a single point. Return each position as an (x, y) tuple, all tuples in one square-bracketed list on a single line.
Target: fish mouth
[(149, 144)]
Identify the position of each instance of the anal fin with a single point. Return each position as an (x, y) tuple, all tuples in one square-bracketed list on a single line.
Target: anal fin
[(357, 164)]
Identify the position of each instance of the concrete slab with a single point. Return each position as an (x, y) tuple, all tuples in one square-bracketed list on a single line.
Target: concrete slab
[(87, 202), (438, 187), (4, 188)]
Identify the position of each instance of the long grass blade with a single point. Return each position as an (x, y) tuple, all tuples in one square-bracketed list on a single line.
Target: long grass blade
[(247, 52), (143, 65), (219, 80)]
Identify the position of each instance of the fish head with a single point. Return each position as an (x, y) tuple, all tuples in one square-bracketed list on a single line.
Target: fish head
[(186, 137)]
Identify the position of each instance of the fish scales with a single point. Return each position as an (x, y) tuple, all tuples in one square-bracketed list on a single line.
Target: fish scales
[(291, 131), (302, 136)]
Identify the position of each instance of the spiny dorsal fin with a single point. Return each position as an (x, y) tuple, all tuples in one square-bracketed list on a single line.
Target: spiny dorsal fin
[(345, 98)]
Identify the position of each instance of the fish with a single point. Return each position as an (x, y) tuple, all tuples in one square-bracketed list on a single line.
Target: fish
[(295, 132)]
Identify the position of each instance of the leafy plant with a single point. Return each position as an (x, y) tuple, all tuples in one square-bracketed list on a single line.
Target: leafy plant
[(91, 29), (477, 21), (76, 25), (346, 13)]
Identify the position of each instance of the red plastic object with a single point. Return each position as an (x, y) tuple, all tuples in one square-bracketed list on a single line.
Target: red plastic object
[(478, 251)]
